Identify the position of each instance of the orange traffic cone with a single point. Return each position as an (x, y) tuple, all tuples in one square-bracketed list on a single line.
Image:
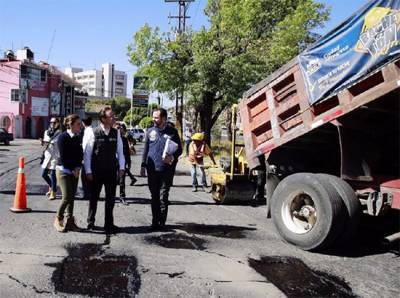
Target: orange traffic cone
[(20, 190)]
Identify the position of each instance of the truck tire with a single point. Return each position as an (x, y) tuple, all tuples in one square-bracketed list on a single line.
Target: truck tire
[(270, 186), (140, 139), (307, 211), (352, 214)]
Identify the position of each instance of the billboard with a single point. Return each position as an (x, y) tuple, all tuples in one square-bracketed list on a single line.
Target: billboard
[(140, 94), (55, 103), (364, 42), (40, 106)]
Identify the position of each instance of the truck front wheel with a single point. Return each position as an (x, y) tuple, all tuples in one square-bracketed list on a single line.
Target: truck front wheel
[(307, 211)]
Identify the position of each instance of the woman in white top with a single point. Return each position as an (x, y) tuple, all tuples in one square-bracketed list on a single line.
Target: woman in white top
[(50, 156)]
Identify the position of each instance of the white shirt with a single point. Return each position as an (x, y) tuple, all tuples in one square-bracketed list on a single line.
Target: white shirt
[(51, 153), (86, 136), (88, 150)]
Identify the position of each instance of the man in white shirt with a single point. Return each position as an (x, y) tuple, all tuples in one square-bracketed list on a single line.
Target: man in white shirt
[(103, 160), (87, 133)]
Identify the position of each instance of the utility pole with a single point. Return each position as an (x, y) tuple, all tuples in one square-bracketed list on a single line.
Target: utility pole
[(183, 7)]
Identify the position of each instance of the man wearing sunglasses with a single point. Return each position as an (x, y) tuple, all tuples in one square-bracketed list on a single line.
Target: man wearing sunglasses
[(103, 159)]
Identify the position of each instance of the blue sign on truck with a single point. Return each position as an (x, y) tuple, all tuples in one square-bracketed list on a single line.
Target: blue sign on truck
[(364, 42)]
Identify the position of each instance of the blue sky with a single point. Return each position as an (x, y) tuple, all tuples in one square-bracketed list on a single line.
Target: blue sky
[(91, 32)]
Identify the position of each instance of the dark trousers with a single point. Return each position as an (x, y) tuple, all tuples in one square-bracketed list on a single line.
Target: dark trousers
[(109, 180), (159, 185), (187, 143), (122, 180), (260, 186), (52, 180)]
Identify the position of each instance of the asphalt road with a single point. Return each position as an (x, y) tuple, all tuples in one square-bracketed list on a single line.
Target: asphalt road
[(208, 250)]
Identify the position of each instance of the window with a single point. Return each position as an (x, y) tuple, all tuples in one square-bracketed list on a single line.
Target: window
[(14, 94), (119, 83), (34, 74)]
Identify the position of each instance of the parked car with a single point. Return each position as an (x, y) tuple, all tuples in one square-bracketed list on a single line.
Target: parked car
[(5, 137), (137, 134)]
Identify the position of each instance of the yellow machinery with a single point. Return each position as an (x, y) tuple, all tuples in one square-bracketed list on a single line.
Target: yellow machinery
[(231, 183)]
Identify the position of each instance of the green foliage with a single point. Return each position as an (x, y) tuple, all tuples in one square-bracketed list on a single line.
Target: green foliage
[(146, 122), (120, 105), (135, 119), (246, 41)]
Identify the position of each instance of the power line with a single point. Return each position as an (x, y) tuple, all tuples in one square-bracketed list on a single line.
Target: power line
[(51, 45), (183, 7)]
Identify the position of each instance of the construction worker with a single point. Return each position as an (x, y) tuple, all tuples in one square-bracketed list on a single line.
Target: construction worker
[(104, 160), (160, 168), (197, 149)]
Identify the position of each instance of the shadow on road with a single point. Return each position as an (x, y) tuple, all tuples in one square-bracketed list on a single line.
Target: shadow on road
[(368, 240), (145, 201), (31, 190), (43, 211), (182, 173)]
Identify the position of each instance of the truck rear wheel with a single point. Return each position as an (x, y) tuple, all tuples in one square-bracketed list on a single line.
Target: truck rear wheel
[(352, 207), (307, 211), (270, 186)]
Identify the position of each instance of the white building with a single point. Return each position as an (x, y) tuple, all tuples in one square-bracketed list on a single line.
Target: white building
[(107, 82)]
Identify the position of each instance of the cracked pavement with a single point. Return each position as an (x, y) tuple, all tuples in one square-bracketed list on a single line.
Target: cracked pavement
[(205, 252)]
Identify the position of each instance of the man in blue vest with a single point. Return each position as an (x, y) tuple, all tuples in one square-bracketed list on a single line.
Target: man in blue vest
[(104, 160), (160, 169)]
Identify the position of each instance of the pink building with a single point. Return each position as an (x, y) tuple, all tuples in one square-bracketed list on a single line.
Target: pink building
[(31, 93)]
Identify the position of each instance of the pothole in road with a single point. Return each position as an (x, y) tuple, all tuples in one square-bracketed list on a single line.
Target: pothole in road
[(177, 241), (87, 270), (296, 279), (31, 189), (222, 231)]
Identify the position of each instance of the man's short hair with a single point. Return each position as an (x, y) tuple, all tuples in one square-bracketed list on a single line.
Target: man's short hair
[(87, 121), (102, 113), (163, 112)]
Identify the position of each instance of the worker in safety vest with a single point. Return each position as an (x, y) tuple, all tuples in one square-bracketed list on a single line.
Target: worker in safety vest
[(197, 149)]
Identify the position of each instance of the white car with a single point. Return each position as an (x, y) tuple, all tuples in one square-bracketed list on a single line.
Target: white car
[(137, 134)]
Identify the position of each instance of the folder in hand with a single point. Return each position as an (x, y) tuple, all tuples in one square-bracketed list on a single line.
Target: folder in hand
[(169, 148)]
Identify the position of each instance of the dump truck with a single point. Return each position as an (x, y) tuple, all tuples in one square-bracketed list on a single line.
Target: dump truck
[(327, 125)]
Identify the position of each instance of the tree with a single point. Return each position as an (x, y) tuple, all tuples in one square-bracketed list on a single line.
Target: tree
[(120, 106), (146, 122), (245, 42), (135, 119)]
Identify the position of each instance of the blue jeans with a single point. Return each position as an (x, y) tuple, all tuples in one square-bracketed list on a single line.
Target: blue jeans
[(193, 172), (51, 180)]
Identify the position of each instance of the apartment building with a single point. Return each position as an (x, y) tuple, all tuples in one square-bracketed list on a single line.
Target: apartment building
[(107, 82), (31, 93)]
